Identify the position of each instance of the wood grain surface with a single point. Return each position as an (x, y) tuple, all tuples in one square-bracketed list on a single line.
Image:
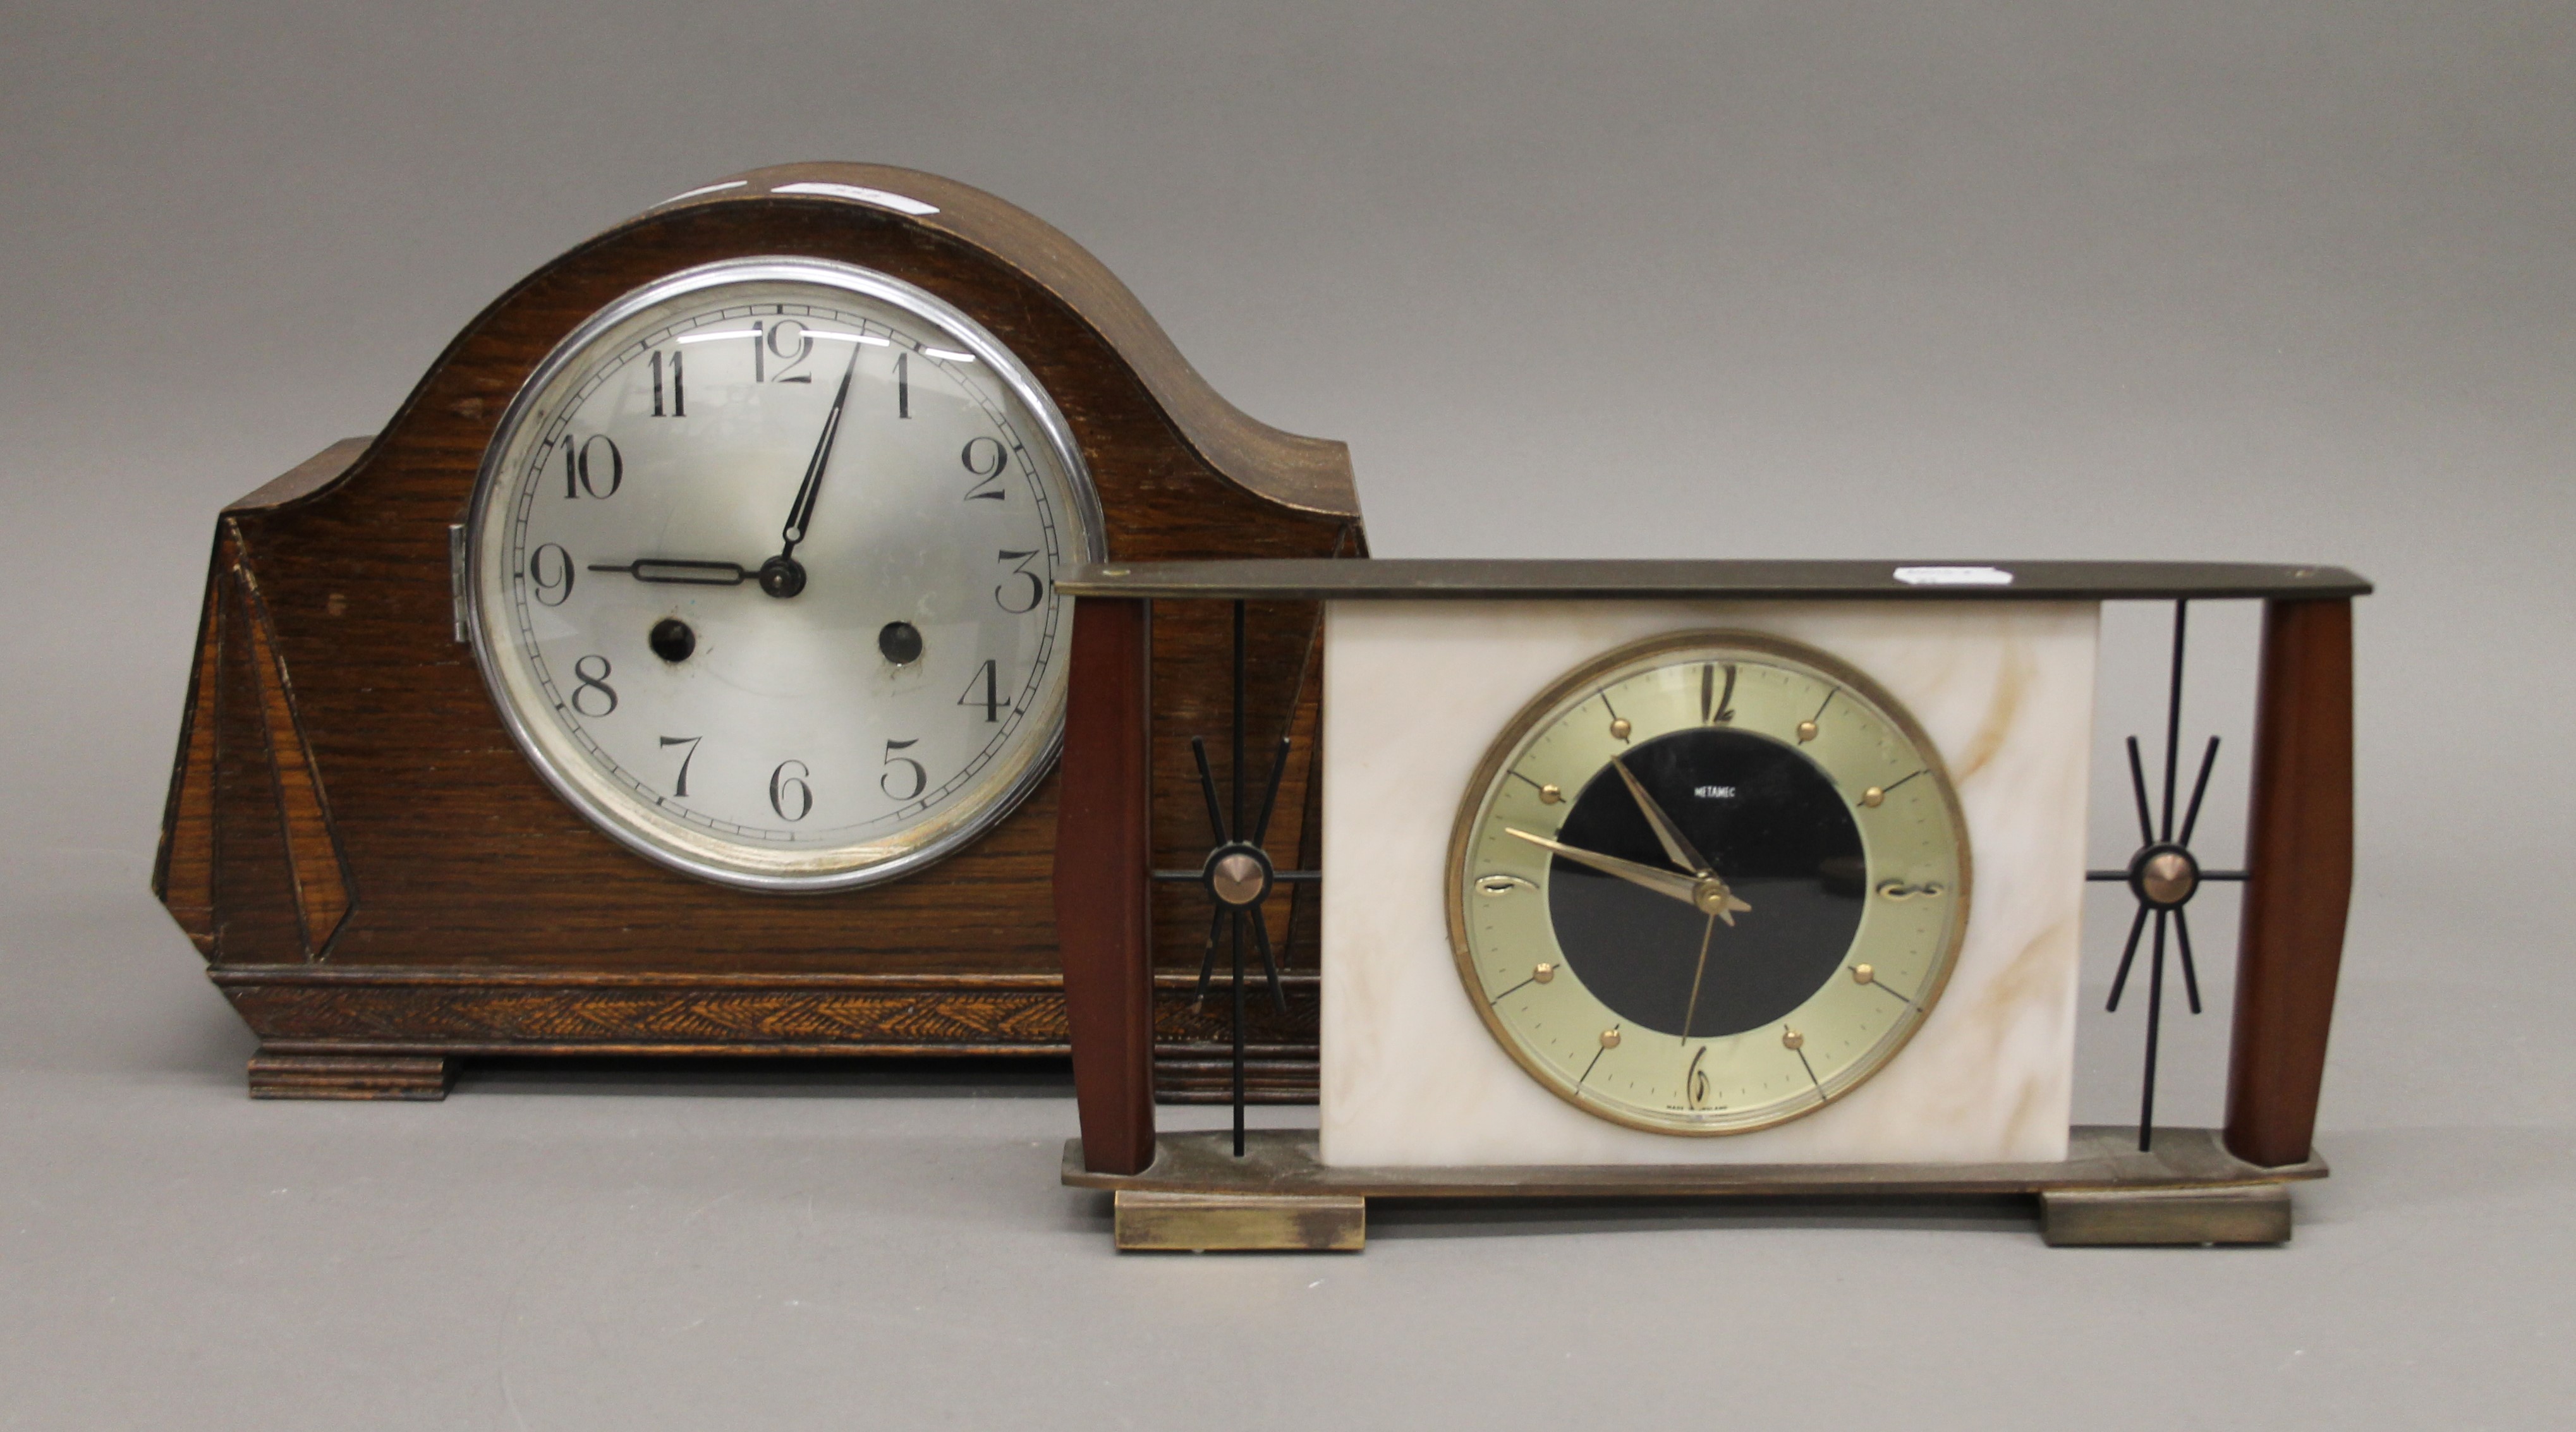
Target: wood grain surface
[(2298, 881), (346, 798)]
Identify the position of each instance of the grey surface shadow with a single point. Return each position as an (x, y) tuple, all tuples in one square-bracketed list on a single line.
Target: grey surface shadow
[(755, 1077), (2376, 1171)]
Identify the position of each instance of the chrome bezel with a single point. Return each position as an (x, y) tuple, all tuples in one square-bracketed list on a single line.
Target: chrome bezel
[(645, 839)]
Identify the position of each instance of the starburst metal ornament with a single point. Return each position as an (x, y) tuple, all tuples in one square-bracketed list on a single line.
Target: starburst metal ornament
[(2163, 874), (1238, 874)]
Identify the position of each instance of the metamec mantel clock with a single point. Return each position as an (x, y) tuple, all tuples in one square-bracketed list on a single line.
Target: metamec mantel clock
[(1711, 879), (684, 668)]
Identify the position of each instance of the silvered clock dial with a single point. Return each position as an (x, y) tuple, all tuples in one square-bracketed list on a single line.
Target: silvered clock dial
[(761, 571), (1708, 883)]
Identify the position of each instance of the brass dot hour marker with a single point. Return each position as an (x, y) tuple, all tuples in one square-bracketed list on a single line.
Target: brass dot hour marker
[(1791, 1039), (1620, 728), (1544, 973), (1550, 795), (1806, 732), (1873, 797), (1609, 1039), (1863, 974)]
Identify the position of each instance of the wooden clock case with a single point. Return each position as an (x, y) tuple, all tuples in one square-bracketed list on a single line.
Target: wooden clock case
[(381, 884)]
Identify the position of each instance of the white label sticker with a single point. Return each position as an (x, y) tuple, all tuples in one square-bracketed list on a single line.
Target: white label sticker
[(1954, 576), (878, 197)]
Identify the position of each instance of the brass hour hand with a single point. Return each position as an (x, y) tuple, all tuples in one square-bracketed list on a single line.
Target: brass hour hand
[(1676, 845), (1706, 894)]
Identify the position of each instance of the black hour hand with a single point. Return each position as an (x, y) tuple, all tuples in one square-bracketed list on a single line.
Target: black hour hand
[(678, 572)]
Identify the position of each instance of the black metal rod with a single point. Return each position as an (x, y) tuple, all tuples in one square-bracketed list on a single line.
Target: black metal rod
[(2155, 1012), (1238, 1034), (2128, 952), (2190, 976), (2199, 788), (2138, 787), (1270, 797), (2173, 717), (1283, 877), (1207, 788), (1269, 966), (1236, 778), (1207, 961)]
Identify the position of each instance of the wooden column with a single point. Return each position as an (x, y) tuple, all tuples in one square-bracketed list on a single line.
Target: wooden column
[(2298, 883), (1103, 880)]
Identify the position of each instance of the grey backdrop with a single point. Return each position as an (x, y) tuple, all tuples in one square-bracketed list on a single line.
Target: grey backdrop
[(2184, 280)]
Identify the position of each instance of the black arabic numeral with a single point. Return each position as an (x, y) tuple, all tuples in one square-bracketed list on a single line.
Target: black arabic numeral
[(1020, 568), (990, 476), (920, 777), (679, 394), (784, 787), (988, 677), (803, 350), (681, 788), (582, 470), (561, 585), (593, 681)]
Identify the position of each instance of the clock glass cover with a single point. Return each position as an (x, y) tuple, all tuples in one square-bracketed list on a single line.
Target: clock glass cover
[(1708, 883), (761, 573)]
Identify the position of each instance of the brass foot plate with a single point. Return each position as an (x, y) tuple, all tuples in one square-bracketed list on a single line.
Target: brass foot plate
[(1239, 1222), (2248, 1213)]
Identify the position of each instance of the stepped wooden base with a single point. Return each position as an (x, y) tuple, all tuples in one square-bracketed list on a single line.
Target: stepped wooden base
[(377, 1019), (350, 1076), (1279, 1197)]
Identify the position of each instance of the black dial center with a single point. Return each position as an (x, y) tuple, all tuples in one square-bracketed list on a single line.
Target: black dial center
[(900, 643), (672, 640), (781, 576), (1777, 832)]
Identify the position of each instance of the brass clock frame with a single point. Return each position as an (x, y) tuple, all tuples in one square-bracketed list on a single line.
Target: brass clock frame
[(1568, 692)]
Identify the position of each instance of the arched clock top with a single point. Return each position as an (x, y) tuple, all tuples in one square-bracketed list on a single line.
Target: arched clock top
[(1142, 413)]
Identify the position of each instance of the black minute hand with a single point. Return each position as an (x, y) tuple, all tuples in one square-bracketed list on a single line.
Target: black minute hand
[(803, 512)]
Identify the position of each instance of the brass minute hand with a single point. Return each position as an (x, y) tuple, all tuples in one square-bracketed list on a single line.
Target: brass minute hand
[(1676, 845), (1706, 894)]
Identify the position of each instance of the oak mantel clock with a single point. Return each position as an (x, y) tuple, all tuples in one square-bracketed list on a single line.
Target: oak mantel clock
[(1715, 879), (683, 670)]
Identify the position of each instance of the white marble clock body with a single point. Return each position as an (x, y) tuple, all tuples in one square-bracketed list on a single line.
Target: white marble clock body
[(1415, 692)]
